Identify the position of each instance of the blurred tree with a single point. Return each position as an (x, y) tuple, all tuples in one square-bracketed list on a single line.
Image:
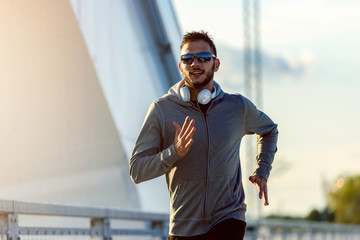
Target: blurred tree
[(344, 199), (314, 215), (326, 215), (283, 217)]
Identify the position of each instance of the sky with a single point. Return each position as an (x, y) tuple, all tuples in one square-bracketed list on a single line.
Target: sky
[(311, 68)]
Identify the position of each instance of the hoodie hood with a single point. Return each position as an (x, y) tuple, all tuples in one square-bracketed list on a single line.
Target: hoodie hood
[(174, 93)]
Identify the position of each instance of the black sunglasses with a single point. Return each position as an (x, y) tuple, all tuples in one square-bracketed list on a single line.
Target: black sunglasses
[(201, 57)]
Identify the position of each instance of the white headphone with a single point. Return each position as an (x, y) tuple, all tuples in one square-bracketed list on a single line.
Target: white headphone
[(203, 97)]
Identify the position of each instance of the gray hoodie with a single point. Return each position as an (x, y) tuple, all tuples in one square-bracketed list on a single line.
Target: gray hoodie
[(205, 185)]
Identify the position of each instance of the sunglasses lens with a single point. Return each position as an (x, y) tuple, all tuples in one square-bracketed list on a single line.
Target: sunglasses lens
[(204, 57), (187, 58)]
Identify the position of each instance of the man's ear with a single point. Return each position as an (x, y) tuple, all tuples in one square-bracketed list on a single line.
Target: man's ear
[(217, 65), (180, 68)]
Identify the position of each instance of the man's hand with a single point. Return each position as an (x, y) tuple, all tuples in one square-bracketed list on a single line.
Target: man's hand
[(183, 136), (261, 184)]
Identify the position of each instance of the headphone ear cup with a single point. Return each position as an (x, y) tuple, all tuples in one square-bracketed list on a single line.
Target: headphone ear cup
[(204, 96), (185, 94), (213, 94)]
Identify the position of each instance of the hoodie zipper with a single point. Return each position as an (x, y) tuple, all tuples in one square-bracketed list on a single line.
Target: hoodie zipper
[(197, 107), (207, 166), (207, 159)]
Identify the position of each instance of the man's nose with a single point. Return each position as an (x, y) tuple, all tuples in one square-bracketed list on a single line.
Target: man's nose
[(195, 62)]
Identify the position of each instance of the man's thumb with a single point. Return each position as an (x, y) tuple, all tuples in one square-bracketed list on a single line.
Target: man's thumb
[(177, 128), (252, 179)]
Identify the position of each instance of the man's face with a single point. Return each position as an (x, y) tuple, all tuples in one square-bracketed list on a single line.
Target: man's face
[(198, 74)]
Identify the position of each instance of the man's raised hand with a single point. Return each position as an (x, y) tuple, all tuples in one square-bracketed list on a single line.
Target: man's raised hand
[(183, 136)]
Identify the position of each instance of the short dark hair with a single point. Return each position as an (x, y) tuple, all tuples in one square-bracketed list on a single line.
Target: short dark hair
[(197, 36)]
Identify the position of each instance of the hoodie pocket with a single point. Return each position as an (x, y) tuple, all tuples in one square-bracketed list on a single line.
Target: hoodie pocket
[(187, 200), (222, 197)]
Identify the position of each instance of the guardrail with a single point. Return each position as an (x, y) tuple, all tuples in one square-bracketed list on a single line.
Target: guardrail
[(268, 229), (98, 218), (99, 223)]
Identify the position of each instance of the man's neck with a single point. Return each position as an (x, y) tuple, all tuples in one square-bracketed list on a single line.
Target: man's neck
[(195, 91)]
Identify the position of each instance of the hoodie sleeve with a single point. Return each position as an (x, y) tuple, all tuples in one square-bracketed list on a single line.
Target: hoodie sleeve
[(259, 123), (148, 159)]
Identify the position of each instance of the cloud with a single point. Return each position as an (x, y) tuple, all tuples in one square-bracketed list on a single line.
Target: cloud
[(284, 65), (289, 64)]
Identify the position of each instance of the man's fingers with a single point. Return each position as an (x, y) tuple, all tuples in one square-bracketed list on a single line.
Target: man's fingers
[(188, 144), (266, 199), (190, 134), (261, 184), (183, 136), (188, 139), (263, 193), (185, 126), (266, 203)]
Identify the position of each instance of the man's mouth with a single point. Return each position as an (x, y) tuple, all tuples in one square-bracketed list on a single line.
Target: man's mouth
[(197, 72)]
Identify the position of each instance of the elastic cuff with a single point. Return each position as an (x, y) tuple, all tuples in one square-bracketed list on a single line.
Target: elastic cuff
[(169, 156), (263, 174)]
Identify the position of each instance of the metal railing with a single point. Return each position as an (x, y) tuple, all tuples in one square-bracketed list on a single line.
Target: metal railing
[(97, 221), (22, 220), (270, 229)]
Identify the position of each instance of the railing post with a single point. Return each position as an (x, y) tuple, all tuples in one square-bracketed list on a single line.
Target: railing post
[(104, 224), (161, 225), (11, 222), (252, 230), (165, 231)]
